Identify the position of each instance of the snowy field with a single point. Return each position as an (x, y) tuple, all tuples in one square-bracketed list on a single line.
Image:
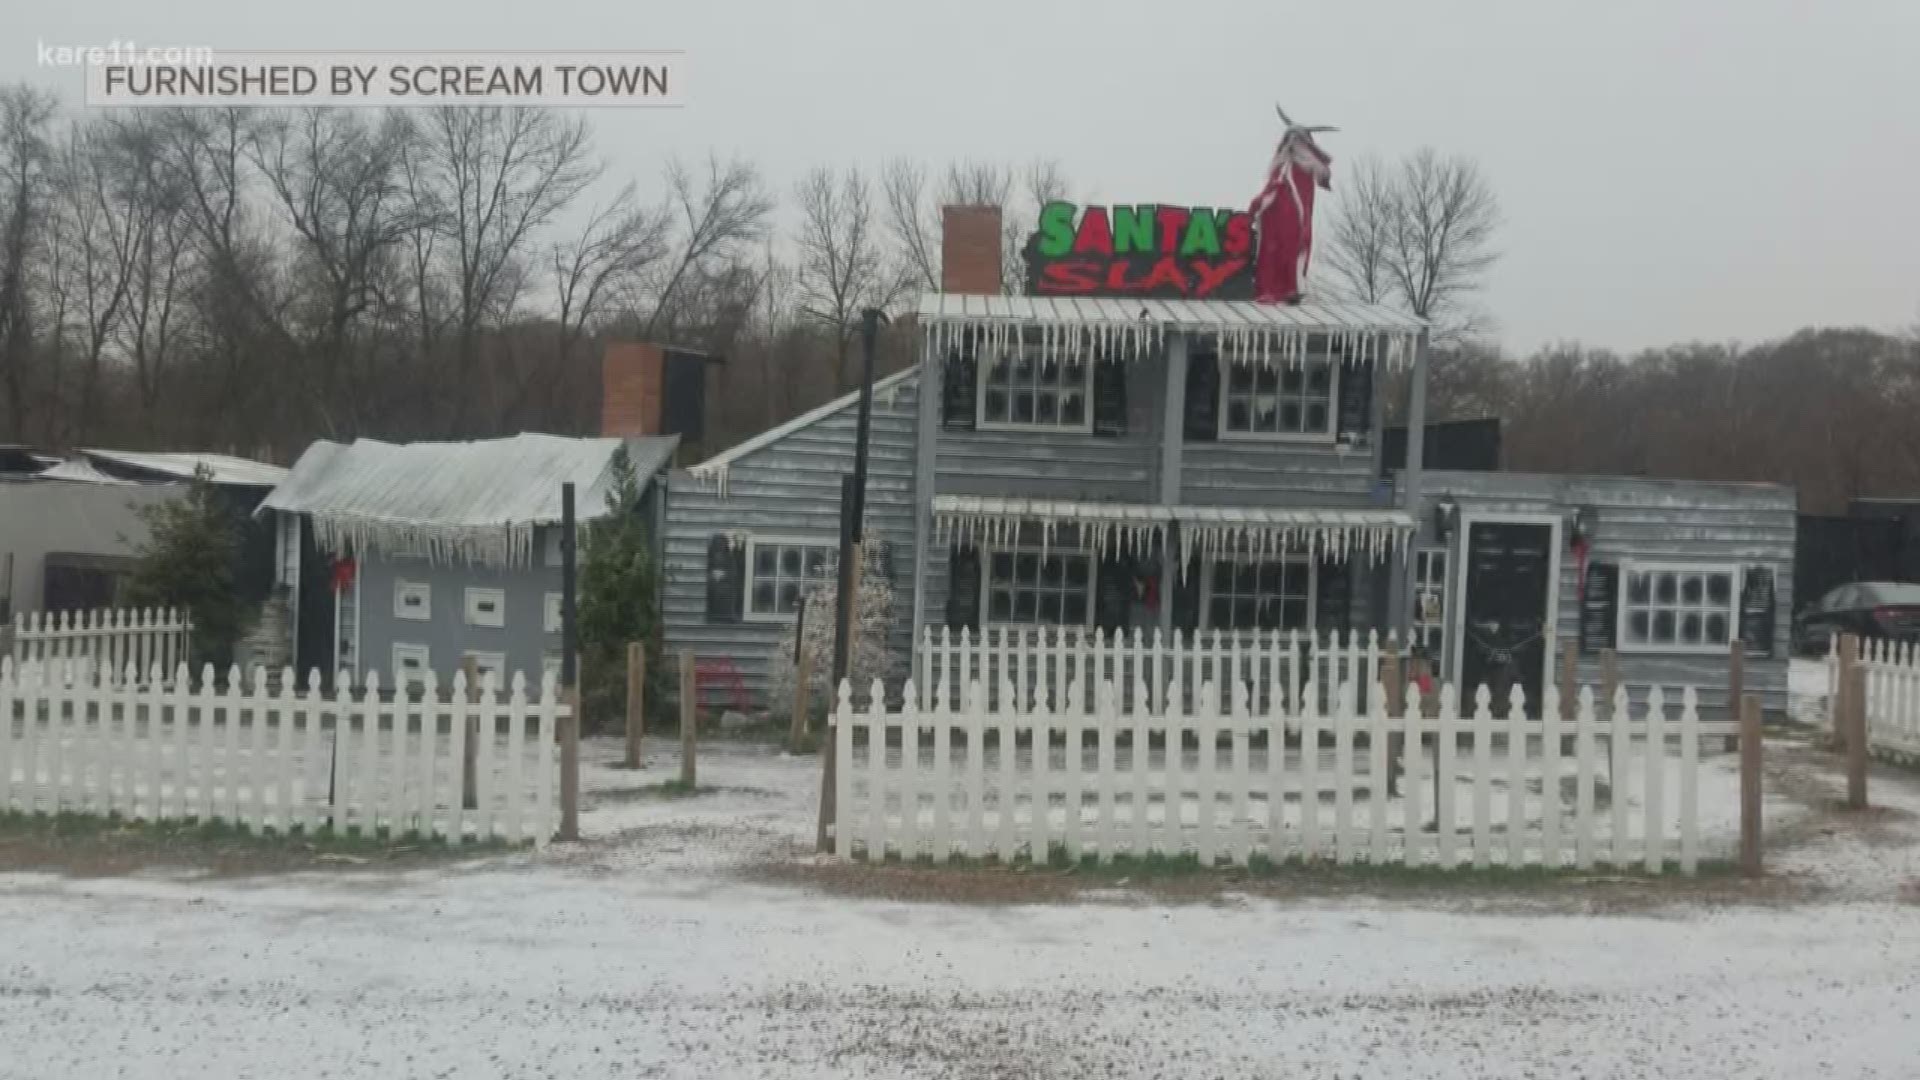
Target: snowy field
[(664, 947)]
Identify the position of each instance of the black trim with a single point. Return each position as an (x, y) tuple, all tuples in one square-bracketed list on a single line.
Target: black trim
[(1202, 420), (726, 580), (963, 588)]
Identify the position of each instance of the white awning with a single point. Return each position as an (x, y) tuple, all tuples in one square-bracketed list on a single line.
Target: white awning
[(1246, 332), (1137, 528)]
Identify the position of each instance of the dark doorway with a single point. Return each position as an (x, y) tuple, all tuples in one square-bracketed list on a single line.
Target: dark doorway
[(1504, 632)]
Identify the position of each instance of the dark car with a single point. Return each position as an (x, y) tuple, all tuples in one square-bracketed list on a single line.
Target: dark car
[(1882, 609)]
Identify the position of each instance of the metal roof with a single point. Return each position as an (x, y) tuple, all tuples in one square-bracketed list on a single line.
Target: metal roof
[(1246, 332), (1209, 530), (81, 471), (477, 500), (226, 468)]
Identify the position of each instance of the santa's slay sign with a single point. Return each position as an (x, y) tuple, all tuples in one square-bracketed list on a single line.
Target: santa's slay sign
[(1144, 250)]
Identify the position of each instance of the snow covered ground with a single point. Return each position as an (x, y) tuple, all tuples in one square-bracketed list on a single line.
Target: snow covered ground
[(660, 948)]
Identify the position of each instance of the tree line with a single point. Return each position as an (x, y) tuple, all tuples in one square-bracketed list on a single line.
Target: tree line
[(251, 280)]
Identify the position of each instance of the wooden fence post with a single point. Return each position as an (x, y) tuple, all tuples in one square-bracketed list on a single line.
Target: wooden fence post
[(1750, 763), (802, 695), (470, 760), (1850, 721), (1736, 684), (636, 700), (570, 767), (1609, 683), (828, 777), (689, 718), (1396, 702)]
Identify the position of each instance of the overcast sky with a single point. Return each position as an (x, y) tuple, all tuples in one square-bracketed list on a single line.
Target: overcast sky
[(1668, 169)]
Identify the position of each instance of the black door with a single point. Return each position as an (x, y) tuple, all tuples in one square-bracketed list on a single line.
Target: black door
[(1506, 634)]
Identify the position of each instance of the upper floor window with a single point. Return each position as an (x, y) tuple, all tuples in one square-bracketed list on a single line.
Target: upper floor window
[(1025, 585), (1678, 607), (1022, 388), (1244, 593), (781, 571), (1278, 401)]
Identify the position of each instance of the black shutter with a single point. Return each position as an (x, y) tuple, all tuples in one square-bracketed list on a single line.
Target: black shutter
[(1109, 397), (1600, 608), (1186, 595), (1203, 395), (1356, 401), (963, 588), (1333, 597), (726, 579), (959, 390), (1113, 593), (1757, 609)]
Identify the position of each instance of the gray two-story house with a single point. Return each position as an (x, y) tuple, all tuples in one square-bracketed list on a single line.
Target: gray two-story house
[(1122, 459)]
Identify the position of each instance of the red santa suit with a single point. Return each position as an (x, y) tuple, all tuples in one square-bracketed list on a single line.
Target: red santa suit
[(1283, 216)]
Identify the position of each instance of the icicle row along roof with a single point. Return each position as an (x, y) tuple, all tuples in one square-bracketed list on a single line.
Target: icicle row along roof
[(1078, 328), (1208, 531)]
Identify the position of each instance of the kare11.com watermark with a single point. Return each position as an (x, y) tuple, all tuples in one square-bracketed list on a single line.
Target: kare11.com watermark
[(389, 78), (129, 53)]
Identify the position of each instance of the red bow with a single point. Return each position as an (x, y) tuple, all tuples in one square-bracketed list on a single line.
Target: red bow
[(343, 569)]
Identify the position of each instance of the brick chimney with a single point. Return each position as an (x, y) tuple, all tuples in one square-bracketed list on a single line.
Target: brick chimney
[(630, 389), (970, 250)]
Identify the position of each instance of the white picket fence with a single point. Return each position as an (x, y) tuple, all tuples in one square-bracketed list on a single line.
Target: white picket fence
[(963, 778), (263, 754), (1045, 666), (111, 637), (1892, 676)]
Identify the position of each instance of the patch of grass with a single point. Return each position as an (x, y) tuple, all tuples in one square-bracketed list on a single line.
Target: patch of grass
[(1158, 866), (78, 828), (673, 789)]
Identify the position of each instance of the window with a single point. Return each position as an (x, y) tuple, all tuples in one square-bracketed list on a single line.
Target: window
[(781, 571), (1022, 388), (549, 665), (1429, 600), (486, 607), (551, 613), (1024, 585), (1245, 593), (1678, 607), (485, 663), (412, 600), (410, 663), (1278, 401)]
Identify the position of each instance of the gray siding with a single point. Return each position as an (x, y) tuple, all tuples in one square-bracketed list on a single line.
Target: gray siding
[(791, 487), (523, 640), (38, 517), (1750, 524), (1248, 473)]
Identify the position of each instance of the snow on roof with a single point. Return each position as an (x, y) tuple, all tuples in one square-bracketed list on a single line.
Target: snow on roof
[(226, 468), (80, 471), (1077, 326), (475, 501)]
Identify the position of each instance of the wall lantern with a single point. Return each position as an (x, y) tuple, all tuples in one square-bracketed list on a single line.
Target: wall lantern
[(1584, 520), (1446, 513)]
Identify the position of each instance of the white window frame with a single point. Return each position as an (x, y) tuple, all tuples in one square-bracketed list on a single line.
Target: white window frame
[(1311, 437), (403, 590), (484, 660), (551, 610), (1630, 567), (1440, 586), (476, 594), (986, 580), (1301, 559), (747, 611), (984, 364), (420, 654), (550, 661)]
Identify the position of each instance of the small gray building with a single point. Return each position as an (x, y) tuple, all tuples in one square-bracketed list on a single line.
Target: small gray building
[(404, 558)]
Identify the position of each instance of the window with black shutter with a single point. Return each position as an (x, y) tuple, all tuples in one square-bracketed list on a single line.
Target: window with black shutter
[(1203, 394), (1757, 611), (1109, 397), (726, 579), (963, 588), (1334, 596), (959, 388), (1113, 593), (1356, 402)]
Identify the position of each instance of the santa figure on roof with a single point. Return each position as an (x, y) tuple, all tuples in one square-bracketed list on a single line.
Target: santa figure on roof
[(1283, 213)]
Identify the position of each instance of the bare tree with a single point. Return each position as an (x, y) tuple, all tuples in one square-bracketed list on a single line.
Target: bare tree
[(841, 266), (1419, 232), (26, 156), (913, 219), (913, 227), (715, 218)]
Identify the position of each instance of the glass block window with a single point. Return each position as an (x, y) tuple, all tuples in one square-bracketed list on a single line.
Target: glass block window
[(1282, 401), (1024, 585), (1678, 607), (781, 571), (1259, 594), (1021, 388)]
